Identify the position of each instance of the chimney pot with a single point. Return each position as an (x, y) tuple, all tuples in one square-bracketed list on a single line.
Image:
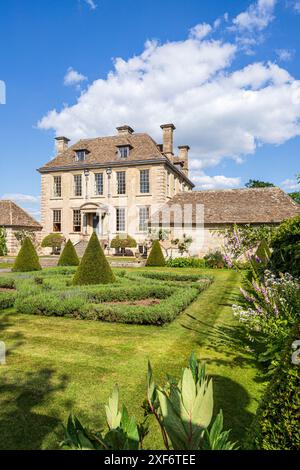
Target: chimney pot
[(168, 131), (125, 130), (62, 144), (184, 155)]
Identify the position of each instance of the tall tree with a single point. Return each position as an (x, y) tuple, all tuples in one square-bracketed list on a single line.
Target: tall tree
[(259, 184)]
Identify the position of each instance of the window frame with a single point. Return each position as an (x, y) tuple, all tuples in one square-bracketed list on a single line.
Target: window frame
[(142, 227), (77, 219), (56, 221), (121, 186), (76, 187), (143, 181), (119, 220), (96, 175), (77, 155), (126, 149), (56, 186)]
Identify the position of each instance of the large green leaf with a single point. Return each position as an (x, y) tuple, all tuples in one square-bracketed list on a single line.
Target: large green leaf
[(113, 415)]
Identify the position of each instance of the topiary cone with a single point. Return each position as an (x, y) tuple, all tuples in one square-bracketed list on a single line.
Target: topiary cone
[(68, 256), (94, 267), (27, 259), (156, 257)]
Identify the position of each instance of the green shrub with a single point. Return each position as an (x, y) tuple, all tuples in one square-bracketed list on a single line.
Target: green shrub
[(3, 245), (58, 305), (121, 243), (169, 276), (94, 267), (276, 425), (54, 241), (27, 259), (286, 247), (7, 283), (69, 256), (185, 263), (7, 299), (156, 257), (215, 259)]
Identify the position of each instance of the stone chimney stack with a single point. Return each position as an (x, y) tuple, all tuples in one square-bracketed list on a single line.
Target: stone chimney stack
[(184, 155), (168, 131), (62, 144), (125, 130)]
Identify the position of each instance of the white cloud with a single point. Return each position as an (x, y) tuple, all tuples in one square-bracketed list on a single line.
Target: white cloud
[(203, 181), (21, 198), (218, 111), (284, 55), (249, 25), (91, 4), (297, 7), (256, 17), (290, 185), (200, 31), (73, 77)]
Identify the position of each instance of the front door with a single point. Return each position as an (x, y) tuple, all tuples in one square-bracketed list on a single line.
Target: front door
[(96, 223)]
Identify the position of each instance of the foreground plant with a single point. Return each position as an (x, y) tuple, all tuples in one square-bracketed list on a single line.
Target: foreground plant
[(184, 412), (269, 312)]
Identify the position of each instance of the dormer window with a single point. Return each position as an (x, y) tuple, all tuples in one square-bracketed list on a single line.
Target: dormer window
[(124, 151), (80, 155)]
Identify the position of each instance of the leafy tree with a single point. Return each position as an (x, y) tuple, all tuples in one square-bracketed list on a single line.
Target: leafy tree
[(121, 243), (286, 247), (183, 244), (156, 257), (94, 267), (54, 241), (296, 196), (20, 236), (69, 256), (27, 259), (259, 184), (3, 246)]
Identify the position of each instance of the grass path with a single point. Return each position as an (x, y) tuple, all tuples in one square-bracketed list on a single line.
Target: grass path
[(56, 365)]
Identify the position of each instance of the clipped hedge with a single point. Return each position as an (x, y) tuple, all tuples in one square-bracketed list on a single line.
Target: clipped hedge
[(57, 304), (186, 263), (167, 276), (27, 259), (156, 257), (276, 425), (7, 283), (94, 267), (69, 256), (158, 315), (7, 300)]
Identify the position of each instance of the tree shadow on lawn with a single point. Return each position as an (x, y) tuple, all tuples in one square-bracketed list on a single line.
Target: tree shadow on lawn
[(233, 399), (16, 338), (20, 426)]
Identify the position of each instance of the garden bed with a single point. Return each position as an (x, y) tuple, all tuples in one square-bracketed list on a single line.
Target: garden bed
[(137, 298)]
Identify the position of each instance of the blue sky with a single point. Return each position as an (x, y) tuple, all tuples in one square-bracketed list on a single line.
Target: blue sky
[(225, 72)]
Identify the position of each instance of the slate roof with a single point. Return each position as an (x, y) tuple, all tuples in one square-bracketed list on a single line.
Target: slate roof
[(12, 215), (240, 206), (105, 150)]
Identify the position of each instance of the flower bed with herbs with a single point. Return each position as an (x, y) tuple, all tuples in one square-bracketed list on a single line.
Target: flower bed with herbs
[(141, 298)]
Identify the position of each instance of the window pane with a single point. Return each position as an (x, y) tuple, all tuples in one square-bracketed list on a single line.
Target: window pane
[(80, 156), (57, 220), (76, 221), (144, 214), (77, 185), (57, 186), (124, 152), (120, 219), (121, 182), (98, 184), (144, 181)]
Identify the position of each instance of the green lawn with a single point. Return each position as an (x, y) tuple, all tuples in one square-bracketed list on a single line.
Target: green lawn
[(56, 365)]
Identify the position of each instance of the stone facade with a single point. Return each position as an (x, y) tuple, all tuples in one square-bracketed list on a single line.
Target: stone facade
[(100, 212)]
